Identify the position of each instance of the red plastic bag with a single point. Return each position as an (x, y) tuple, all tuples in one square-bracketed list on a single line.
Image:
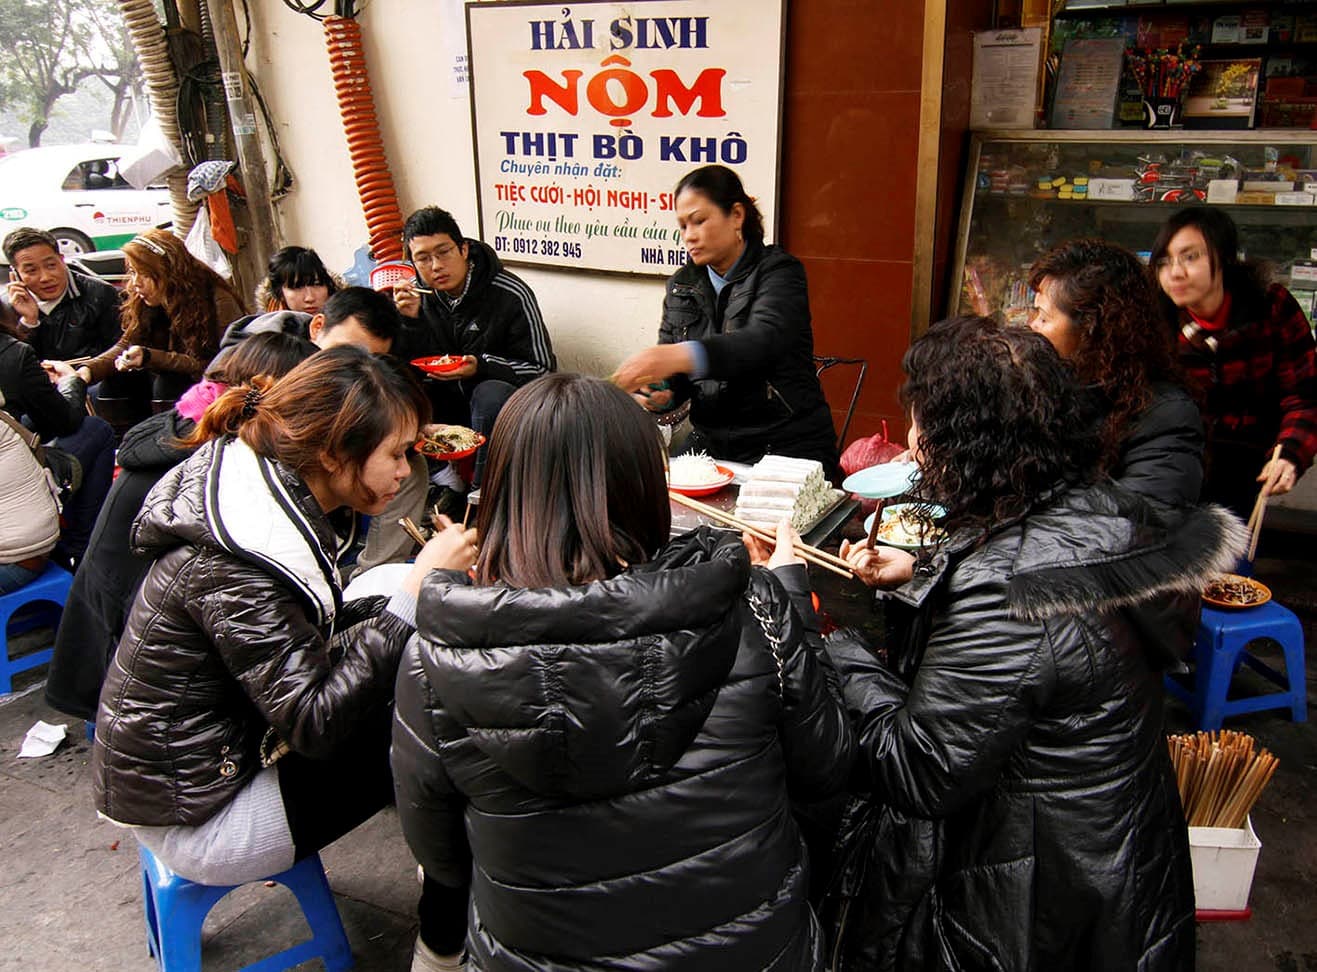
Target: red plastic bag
[(873, 451)]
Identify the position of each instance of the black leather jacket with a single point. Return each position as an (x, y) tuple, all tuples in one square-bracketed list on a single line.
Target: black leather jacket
[(85, 322), (225, 642), (761, 393), (617, 759), (1028, 726)]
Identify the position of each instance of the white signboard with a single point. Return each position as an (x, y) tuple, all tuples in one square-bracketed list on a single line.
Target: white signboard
[(587, 114)]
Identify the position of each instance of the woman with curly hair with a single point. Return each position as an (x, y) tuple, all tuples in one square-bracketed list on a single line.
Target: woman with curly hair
[(1023, 733), (171, 317), (1094, 302), (1246, 346)]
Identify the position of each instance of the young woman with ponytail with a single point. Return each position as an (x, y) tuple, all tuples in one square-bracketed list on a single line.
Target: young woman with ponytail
[(244, 722)]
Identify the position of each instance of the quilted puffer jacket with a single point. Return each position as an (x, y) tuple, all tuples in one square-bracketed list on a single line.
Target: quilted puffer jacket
[(1030, 728), (609, 765), (230, 637)]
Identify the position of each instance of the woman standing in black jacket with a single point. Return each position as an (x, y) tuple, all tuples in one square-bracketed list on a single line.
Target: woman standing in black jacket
[(602, 733), (1027, 718), (735, 339)]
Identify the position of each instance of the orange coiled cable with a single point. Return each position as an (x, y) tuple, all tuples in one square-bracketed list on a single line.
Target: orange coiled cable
[(370, 165)]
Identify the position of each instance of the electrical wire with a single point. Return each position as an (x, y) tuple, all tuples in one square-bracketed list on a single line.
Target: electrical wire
[(309, 10)]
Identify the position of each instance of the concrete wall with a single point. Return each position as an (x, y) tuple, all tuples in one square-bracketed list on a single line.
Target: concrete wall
[(595, 320)]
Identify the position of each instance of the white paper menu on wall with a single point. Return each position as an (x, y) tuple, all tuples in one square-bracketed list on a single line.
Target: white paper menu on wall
[(1005, 86)]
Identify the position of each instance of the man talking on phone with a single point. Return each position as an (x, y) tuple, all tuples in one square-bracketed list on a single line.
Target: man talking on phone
[(61, 313)]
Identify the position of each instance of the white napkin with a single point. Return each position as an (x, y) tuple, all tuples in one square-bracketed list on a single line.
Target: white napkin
[(41, 740)]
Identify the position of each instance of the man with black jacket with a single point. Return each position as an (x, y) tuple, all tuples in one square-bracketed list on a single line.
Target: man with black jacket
[(63, 314), (476, 310)]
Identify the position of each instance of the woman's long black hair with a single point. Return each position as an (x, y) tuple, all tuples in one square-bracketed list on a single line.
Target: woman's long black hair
[(1002, 420), (573, 489)]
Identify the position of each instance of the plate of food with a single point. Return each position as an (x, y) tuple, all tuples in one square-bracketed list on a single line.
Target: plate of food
[(440, 364), (909, 526), (697, 475), (1236, 591), (448, 442)]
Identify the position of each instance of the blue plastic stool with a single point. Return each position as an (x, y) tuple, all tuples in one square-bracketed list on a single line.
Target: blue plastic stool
[(51, 587), (1221, 647), (177, 907)]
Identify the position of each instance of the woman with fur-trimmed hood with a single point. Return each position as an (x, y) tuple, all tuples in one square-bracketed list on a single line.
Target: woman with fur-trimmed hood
[(1019, 810), (296, 279)]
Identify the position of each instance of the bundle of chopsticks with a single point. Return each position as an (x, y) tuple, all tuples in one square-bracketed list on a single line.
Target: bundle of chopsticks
[(1220, 776), (820, 558)]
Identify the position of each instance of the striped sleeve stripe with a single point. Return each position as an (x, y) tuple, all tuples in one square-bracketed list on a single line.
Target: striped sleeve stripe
[(539, 336), (520, 367)]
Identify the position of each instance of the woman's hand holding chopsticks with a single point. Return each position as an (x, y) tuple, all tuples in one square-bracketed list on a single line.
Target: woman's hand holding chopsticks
[(1278, 476), (451, 548), (782, 555), (813, 555), (883, 566)]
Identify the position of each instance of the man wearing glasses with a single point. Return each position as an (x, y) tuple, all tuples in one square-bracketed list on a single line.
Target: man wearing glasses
[(468, 305)]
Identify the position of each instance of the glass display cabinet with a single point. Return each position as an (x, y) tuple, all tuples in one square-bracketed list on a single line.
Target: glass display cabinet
[(1027, 191)]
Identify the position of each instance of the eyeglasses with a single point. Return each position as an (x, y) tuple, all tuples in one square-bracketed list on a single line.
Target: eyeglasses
[(441, 255), (1185, 261)]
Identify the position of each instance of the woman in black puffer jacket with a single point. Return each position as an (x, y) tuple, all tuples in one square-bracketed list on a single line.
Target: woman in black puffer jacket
[(108, 576), (235, 735), (1025, 729), (604, 732)]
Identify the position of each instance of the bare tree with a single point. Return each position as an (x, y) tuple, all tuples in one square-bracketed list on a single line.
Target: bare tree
[(55, 45), (125, 77)]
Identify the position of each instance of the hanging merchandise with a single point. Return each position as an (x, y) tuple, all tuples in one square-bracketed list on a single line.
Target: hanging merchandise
[(200, 242), (213, 181), (152, 157)]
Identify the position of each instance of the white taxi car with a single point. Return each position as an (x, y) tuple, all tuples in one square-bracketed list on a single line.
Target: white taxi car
[(77, 193)]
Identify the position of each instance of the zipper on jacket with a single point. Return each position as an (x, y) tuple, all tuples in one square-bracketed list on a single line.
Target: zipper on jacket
[(228, 767)]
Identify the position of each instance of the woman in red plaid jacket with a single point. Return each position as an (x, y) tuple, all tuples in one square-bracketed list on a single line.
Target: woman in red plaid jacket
[(1247, 347)]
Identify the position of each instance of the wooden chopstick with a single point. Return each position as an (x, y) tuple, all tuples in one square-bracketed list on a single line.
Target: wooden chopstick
[(873, 527), (1259, 513), (734, 520), (1220, 776), (819, 558), (412, 530)]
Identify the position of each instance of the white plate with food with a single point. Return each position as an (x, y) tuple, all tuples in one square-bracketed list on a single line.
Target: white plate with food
[(909, 526), (696, 474)]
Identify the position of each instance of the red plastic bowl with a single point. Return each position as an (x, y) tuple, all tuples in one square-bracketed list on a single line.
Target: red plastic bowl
[(440, 364), (450, 456)]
